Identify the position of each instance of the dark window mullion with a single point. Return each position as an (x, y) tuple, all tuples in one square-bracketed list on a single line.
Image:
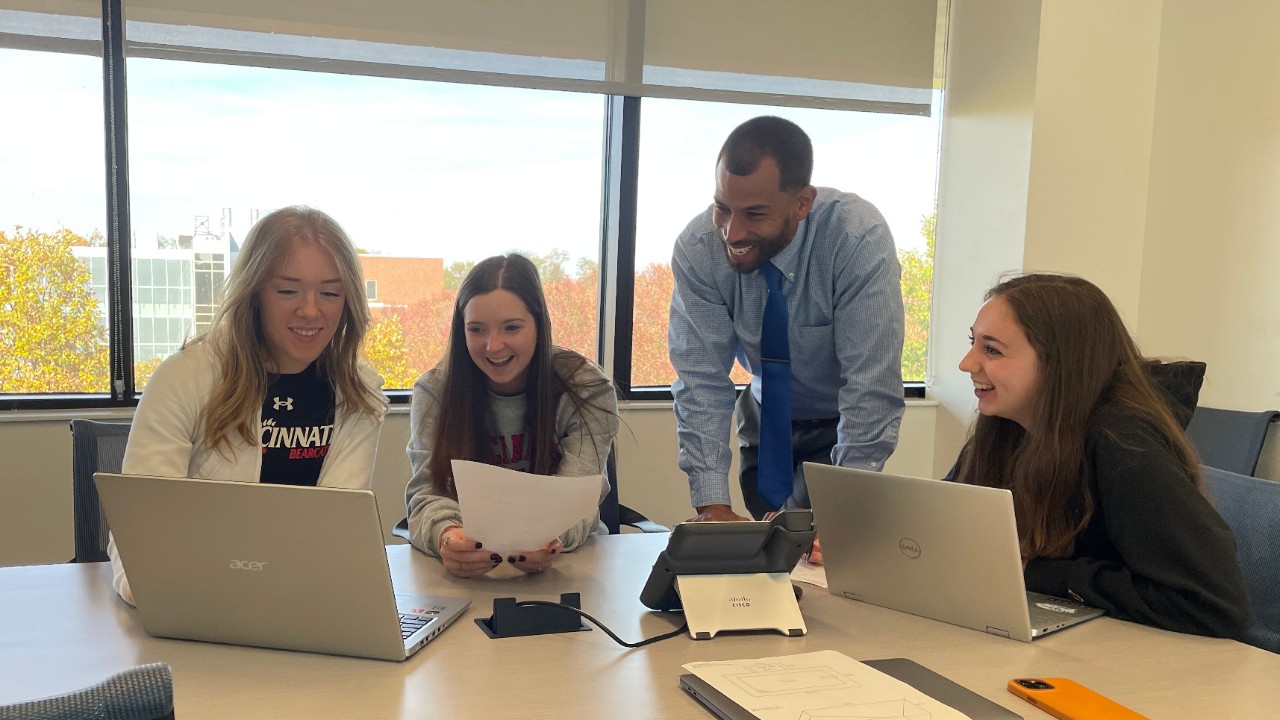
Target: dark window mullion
[(119, 256), (621, 171)]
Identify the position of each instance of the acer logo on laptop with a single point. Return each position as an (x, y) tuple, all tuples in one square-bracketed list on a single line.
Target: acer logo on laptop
[(248, 565)]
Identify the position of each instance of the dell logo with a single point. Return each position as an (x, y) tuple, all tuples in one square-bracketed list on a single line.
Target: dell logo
[(909, 547), (248, 565)]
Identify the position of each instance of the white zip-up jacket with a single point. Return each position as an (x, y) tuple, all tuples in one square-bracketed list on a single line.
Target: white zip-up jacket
[(164, 439)]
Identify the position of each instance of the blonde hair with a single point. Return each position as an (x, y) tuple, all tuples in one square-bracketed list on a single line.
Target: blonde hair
[(237, 337)]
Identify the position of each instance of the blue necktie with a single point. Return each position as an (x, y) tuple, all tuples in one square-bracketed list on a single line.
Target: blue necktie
[(773, 478)]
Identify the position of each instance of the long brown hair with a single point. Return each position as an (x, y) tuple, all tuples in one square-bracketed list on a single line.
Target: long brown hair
[(238, 338), (1087, 361), (465, 393)]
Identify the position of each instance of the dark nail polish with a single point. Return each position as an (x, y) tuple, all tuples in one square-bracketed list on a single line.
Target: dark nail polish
[(511, 559), (521, 558), (495, 558), (553, 551), (479, 544)]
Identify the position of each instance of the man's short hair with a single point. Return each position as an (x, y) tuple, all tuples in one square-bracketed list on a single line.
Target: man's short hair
[(770, 136)]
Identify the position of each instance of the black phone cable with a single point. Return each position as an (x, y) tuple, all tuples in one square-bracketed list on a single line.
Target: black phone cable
[(547, 603)]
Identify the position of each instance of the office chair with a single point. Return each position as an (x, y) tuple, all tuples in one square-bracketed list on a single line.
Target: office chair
[(1230, 439), (95, 446), (1251, 507), (1179, 382), (613, 514), (141, 693)]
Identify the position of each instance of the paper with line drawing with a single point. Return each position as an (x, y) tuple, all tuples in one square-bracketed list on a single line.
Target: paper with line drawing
[(824, 685)]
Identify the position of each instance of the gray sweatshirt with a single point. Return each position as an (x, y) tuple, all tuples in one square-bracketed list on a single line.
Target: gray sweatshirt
[(584, 442)]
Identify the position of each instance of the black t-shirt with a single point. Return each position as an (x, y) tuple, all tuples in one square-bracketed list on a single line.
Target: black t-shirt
[(297, 427)]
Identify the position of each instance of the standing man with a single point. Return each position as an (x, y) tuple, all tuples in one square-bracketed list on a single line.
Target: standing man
[(831, 379)]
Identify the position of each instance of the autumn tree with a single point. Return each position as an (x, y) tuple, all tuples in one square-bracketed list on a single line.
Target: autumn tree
[(403, 345), (550, 266), (51, 339), (143, 370), (917, 300), (574, 308), (650, 366), (454, 272), (384, 349)]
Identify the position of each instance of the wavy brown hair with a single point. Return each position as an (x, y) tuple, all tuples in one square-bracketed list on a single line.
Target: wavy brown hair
[(465, 393), (1087, 361), (237, 337)]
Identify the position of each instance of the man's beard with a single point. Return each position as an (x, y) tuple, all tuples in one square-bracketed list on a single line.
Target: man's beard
[(765, 249)]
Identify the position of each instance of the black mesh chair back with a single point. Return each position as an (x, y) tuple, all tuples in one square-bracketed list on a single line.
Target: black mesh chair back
[(1251, 507), (1230, 439), (140, 693), (95, 446)]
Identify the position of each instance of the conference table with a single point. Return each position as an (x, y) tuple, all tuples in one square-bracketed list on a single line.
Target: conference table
[(62, 628)]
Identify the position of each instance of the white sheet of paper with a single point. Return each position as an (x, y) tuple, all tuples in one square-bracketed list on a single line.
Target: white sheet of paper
[(807, 572), (818, 684), (511, 511)]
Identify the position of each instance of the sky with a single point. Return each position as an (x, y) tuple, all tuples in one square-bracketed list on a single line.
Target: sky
[(407, 167)]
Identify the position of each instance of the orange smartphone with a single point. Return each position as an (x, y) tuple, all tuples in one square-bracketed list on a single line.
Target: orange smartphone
[(1069, 700)]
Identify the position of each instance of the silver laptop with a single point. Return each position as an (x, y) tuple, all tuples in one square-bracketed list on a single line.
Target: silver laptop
[(275, 566), (910, 672), (937, 549)]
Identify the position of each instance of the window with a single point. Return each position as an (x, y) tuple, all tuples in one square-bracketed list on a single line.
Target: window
[(371, 290), (425, 177), (888, 159), (437, 134), (53, 275)]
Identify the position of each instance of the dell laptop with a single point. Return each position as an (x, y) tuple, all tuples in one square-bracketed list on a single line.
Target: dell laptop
[(274, 566), (933, 548)]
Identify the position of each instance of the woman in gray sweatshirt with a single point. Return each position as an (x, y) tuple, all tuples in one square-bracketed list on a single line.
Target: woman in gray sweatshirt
[(503, 395)]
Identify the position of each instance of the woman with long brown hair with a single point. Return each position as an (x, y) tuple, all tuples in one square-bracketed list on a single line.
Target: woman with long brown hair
[(1107, 491), (503, 395)]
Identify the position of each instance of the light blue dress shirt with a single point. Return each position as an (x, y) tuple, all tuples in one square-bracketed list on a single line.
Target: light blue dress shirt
[(844, 301)]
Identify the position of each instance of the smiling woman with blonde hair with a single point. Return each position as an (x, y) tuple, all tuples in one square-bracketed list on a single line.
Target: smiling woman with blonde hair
[(274, 391)]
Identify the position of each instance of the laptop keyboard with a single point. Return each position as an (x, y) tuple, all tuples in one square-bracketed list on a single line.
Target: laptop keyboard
[(410, 624)]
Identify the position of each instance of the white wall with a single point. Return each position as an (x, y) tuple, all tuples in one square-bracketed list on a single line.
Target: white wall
[(1155, 171), (982, 188), (35, 484), (1209, 287), (1135, 143), (1091, 148)]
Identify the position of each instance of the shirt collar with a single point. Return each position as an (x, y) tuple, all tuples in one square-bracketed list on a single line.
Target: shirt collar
[(789, 258)]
